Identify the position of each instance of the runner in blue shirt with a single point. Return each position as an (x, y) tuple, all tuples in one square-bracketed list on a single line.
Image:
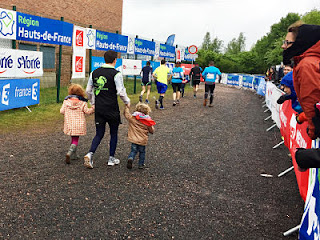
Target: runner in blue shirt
[(210, 74), (177, 78)]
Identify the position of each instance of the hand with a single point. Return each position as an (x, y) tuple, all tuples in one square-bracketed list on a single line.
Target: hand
[(281, 99)]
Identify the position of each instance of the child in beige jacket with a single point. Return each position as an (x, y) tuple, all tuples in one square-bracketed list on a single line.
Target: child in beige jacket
[(74, 108), (140, 125)]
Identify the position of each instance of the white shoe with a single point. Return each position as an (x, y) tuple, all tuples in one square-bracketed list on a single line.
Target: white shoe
[(88, 163), (113, 161)]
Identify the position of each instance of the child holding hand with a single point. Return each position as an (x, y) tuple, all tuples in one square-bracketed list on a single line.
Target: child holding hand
[(140, 125), (74, 109)]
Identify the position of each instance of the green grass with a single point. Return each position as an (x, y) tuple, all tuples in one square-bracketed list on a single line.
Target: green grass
[(47, 113)]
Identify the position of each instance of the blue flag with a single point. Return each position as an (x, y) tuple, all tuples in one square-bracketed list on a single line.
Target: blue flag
[(170, 40)]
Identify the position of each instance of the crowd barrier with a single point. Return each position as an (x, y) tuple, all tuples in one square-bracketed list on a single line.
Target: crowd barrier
[(294, 136)]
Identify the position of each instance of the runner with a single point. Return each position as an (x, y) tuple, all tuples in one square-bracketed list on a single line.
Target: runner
[(210, 75)]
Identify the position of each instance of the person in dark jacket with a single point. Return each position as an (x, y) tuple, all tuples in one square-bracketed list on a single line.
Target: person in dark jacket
[(104, 84), (195, 75)]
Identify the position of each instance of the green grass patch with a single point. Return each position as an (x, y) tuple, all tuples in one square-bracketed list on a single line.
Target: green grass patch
[(46, 115)]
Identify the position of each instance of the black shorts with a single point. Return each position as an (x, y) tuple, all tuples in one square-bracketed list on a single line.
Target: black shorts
[(146, 83), (195, 82), (176, 87), (110, 118)]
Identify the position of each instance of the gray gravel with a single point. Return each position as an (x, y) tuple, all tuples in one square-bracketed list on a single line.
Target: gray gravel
[(203, 180)]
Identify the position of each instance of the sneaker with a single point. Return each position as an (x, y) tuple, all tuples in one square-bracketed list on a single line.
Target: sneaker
[(157, 104), (129, 163), (210, 105), (174, 103), (194, 96), (205, 102), (161, 108), (88, 163), (142, 166), (113, 161), (147, 101), (178, 101)]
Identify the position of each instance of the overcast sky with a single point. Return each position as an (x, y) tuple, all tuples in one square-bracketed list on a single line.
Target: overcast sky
[(191, 19)]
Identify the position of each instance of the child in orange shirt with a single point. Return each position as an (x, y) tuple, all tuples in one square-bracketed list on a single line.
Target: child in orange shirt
[(74, 109)]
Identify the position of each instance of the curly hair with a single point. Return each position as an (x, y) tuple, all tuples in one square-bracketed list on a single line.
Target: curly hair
[(76, 89), (143, 108)]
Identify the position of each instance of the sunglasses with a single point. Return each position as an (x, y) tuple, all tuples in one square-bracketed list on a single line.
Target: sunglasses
[(286, 42)]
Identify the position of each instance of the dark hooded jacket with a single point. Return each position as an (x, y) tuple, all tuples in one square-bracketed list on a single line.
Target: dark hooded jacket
[(306, 73)]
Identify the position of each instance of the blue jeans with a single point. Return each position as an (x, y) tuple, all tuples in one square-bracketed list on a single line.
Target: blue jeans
[(135, 148)]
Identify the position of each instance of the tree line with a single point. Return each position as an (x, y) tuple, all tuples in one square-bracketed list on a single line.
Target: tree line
[(266, 52)]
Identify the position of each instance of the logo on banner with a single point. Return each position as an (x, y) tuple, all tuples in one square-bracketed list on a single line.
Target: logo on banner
[(79, 64), (79, 38), (5, 94), (91, 38), (5, 63), (28, 65), (7, 23), (34, 95)]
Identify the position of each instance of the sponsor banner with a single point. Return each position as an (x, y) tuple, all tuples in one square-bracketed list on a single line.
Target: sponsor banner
[(130, 49), (131, 67), (233, 80), (144, 47), (97, 62), (167, 51), (246, 80), (262, 87), (295, 136), (178, 55), (79, 63), (310, 227), (44, 30), (78, 36), (272, 95), (20, 63), (111, 41), (8, 24), (170, 65), (153, 64), (188, 56), (157, 49), (186, 68), (16, 93), (90, 38)]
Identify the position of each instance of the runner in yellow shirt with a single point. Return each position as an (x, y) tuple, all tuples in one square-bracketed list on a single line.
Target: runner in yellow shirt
[(161, 74)]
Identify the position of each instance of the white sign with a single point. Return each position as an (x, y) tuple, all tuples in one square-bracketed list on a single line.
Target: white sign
[(193, 49), (90, 38), (78, 36), (79, 63), (131, 45), (19, 63), (131, 67), (8, 24)]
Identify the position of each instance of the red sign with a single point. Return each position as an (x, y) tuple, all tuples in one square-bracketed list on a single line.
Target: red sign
[(193, 49), (79, 38), (79, 64)]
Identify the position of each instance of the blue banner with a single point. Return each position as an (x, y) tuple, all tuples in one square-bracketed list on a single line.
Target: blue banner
[(111, 41), (310, 220), (167, 51), (154, 65), (233, 79), (247, 81), (187, 55), (262, 87), (144, 47), (44, 30), (16, 93), (97, 62)]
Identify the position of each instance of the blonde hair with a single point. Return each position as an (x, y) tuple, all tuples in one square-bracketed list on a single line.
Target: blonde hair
[(294, 28), (143, 108), (76, 89)]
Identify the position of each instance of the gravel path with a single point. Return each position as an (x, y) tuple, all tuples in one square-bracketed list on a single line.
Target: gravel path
[(203, 180)]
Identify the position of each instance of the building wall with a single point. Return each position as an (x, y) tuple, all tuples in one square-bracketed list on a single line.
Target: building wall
[(104, 15)]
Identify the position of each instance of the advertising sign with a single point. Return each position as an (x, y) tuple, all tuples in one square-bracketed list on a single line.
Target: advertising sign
[(19, 63), (8, 24), (44, 30), (144, 47), (130, 49), (78, 36), (167, 51), (97, 62), (153, 64), (188, 56), (79, 63), (111, 41), (16, 93), (90, 38), (131, 67)]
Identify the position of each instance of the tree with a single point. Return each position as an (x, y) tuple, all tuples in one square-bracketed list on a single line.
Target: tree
[(206, 41), (236, 45), (312, 17), (215, 45)]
